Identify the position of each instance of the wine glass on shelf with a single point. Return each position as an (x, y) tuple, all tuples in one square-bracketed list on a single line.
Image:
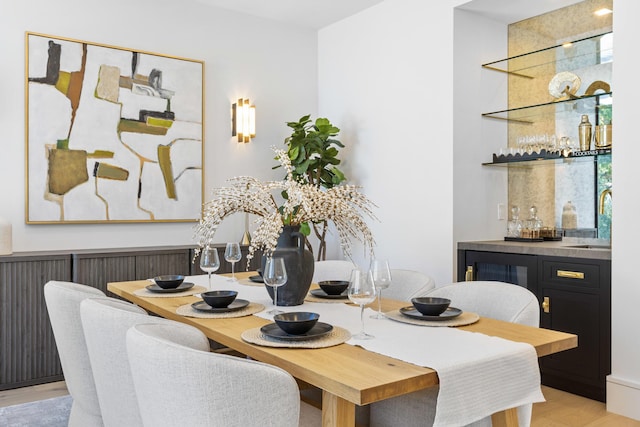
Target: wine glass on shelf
[(232, 254), (362, 292), (209, 261), (381, 276), (274, 275)]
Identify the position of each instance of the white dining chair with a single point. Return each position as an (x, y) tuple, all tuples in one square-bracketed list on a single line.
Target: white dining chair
[(497, 300), (63, 305), (332, 270), (179, 382), (105, 322), (407, 284)]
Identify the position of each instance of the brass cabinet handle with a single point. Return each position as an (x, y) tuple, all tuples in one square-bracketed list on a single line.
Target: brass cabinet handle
[(468, 275), (546, 305), (570, 274)]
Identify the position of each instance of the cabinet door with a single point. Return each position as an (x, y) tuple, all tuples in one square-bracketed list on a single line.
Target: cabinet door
[(28, 353), (578, 294), (576, 370), (511, 268)]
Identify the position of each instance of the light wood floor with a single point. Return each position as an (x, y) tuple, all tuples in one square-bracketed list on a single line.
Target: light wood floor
[(560, 410)]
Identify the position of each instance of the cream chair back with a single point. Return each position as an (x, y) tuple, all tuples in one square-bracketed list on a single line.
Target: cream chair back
[(63, 305), (497, 300), (406, 284), (105, 322), (181, 384)]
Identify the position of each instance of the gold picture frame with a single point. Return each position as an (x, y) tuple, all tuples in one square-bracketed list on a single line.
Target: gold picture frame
[(113, 134)]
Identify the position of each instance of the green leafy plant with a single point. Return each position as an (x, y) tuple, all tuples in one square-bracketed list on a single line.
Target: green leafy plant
[(313, 151)]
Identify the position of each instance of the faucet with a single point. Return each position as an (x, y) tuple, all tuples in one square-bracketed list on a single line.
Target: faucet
[(603, 195)]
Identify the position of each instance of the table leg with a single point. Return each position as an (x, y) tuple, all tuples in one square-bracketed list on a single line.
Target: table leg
[(337, 412), (506, 418)]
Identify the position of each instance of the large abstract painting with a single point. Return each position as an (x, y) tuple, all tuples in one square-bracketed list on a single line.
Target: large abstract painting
[(113, 134)]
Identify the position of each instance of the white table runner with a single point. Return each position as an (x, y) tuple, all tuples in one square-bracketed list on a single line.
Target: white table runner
[(479, 375)]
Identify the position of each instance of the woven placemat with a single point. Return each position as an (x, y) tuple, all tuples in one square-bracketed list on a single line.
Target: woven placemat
[(466, 318), (335, 337), (144, 292), (313, 298), (249, 282), (188, 311)]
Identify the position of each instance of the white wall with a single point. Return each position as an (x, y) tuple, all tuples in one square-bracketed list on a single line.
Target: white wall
[(385, 78), (274, 66), (478, 189), (623, 386)]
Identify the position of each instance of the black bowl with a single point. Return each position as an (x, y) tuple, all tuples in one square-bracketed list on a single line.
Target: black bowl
[(333, 287), (296, 322), (169, 282), (219, 299), (430, 306)]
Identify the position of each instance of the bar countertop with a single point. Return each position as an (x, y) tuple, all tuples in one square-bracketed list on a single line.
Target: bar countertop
[(571, 247)]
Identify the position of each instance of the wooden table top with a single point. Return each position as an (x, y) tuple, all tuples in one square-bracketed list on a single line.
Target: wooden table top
[(377, 377)]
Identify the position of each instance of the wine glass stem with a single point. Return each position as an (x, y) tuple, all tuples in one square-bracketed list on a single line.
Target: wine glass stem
[(209, 280), (379, 301), (362, 318), (275, 296), (233, 274)]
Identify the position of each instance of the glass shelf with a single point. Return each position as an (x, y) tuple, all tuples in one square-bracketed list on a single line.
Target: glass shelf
[(550, 158), (532, 113), (586, 52)]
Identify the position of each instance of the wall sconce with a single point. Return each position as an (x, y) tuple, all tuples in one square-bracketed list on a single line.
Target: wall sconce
[(243, 120)]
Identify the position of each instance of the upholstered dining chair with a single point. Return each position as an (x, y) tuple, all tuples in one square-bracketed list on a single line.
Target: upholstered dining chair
[(63, 305), (179, 382), (105, 322), (332, 270), (497, 300), (407, 284)]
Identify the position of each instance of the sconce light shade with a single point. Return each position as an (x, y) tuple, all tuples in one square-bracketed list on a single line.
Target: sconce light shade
[(243, 120)]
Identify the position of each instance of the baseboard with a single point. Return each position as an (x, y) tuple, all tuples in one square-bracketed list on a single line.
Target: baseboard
[(623, 396)]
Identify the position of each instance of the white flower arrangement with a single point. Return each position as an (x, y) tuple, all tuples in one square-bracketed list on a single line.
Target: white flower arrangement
[(303, 203)]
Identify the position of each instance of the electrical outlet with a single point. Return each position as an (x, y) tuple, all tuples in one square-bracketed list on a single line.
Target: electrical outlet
[(501, 212)]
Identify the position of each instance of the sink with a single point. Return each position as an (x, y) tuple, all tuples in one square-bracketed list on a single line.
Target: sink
[(590, 247)]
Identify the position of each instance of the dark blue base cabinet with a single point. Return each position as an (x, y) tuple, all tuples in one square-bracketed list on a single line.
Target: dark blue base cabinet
[(575, 297)]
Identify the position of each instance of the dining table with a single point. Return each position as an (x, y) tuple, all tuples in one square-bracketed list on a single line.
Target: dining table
[(347, 374)]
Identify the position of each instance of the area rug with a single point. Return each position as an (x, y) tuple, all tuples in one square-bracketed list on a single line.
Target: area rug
[(52, 412)]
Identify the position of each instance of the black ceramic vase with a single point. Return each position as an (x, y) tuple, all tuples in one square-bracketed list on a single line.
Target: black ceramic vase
[(299, 264)]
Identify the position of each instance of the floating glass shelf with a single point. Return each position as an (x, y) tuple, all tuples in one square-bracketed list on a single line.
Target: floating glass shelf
[(532, 113), (587, 51)]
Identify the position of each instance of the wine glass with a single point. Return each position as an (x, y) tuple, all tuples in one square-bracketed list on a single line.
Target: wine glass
[(362, 292), (274, 275), (209, 261), (232, 254), (381, 276)]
